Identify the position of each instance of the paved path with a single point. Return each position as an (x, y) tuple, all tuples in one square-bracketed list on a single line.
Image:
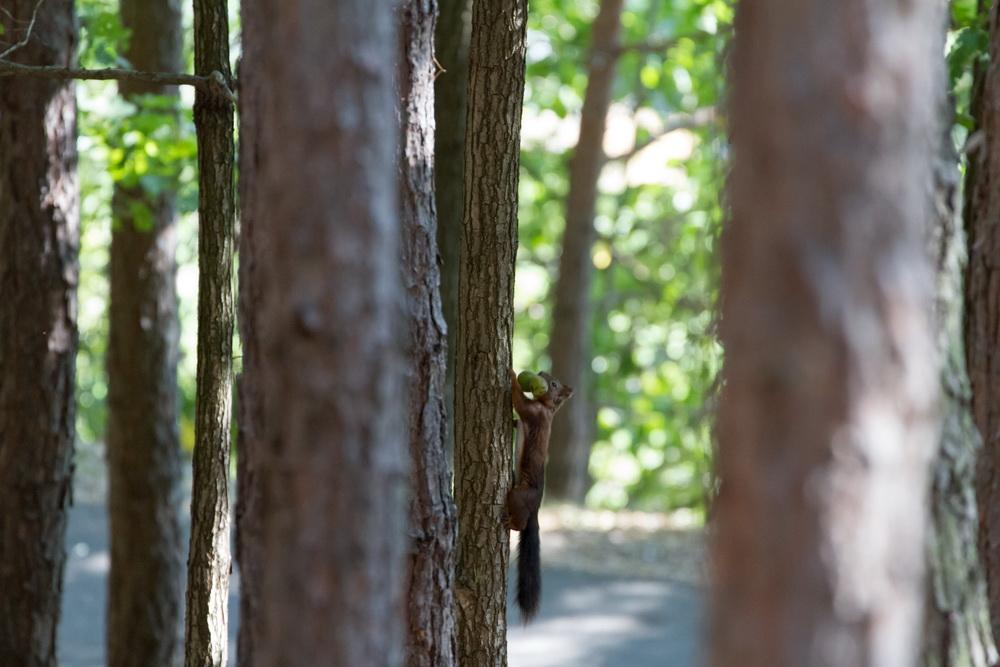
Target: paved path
[(585, 621)]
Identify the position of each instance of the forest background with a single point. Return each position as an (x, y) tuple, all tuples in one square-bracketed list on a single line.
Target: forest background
[(653, 355)]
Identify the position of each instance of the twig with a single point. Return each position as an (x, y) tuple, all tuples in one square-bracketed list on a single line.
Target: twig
[(27, 32), (681, 121), (214, 83)]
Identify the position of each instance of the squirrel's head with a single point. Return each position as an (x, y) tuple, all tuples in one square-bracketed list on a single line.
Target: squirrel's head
[(557, 393)]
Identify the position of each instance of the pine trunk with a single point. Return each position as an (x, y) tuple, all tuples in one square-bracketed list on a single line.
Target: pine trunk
[(825, 427), (39, 240), (145, 587), (957, 622), (483, 449), (209, 559), (250, 392), (430, 598), (982, 311), (450, 94), (569, 450), (335, 470)]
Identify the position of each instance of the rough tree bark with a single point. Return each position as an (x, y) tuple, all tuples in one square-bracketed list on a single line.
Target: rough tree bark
[(450, 94), (982, 309), (250, 393), (483, 448), (335, 469), (145, 584), (430, 599), (824, 425), (957, 627), (569, 450), (208, 558), (39, 238)]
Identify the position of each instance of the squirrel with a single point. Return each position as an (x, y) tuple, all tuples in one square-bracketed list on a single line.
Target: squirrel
[(525, 497)]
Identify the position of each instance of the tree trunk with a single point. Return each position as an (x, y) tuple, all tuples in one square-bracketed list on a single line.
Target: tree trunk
[(335, 470), (825, 424), (209, 559), (450, 94), (145, 587), (39, 239), (569, 449), (430, 600), (957, 628), (251, 393), (982, 312), (483, 459)]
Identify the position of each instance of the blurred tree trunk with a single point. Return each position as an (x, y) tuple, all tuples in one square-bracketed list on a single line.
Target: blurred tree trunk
[(251, 393), (957, 622), (335, 471), (483, 449), (39, 240), (450, 95), (145, 586), (430, 640), (209, 559), (982, 309), (825, 425), (569, 344)]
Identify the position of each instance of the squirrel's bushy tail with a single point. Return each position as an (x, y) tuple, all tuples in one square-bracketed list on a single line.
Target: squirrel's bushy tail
[(529, 570)]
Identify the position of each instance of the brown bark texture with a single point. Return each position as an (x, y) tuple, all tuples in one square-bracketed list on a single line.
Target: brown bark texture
[(956, 623), (483, 447), (430, 639), (335, 467), (209, 559), (145, 586), (39, 240), (569, 349), (982, 310), (825, 428), (250, 392), (451, 100)]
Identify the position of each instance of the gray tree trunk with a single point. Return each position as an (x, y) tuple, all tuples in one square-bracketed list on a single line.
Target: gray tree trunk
[(145, 584), (335, 470), (567, 477), (430, 639), (957, 621), (39, 240), (451, 102), (483, 451), (825, 426), (209, 559)]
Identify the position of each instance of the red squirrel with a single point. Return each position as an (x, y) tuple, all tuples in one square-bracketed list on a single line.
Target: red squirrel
[(525, 497)]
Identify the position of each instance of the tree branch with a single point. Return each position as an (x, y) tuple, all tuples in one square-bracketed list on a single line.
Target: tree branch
[(27, 32), (680, 121), (214, 83)]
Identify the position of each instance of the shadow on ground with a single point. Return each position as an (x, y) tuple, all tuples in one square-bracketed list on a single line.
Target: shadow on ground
[(585, 620)]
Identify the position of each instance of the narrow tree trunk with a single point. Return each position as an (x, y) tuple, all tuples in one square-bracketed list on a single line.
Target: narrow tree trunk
[(39, 238), (957, 628), (982, 312), (569, 450), (251, 393), (145, 587), (335, 469), (824, 424), (450, 94), (430, 601), (482, 387), (209, 559)]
